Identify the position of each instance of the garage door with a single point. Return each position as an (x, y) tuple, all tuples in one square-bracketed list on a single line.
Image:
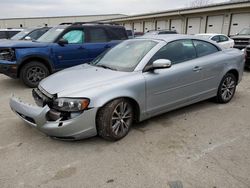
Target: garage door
[(1, 24), (149, 26), (162, 25), (128, 26), (239, 21), (176, 25), (193, 26), (215, 24), (138, 27)]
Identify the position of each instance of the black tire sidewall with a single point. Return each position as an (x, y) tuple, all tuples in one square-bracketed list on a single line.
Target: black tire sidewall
[(104, 124), (24, 69)]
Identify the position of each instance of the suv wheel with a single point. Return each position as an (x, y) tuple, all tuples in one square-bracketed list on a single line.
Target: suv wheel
[(115, 119), (32, 73), (227, 88)]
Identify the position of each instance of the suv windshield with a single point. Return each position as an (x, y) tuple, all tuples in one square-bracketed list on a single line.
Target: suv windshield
[(22, 34), (125, 56), (245, 31), (51, 35)]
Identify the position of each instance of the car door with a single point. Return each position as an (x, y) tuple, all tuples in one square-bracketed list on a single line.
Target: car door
[(209, 60), (97, 41), (73, 53), (170, 88)]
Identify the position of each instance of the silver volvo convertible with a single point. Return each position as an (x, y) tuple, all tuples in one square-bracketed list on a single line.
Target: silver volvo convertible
[(136, 80)]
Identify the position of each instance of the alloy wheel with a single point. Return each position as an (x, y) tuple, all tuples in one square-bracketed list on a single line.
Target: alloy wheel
[(35, 74), (228, 88), (122, 118)]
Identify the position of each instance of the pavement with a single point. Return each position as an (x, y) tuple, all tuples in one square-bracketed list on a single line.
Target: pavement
[(205, 145)]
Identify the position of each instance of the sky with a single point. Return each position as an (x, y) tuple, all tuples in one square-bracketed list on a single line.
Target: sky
[(44, 8)]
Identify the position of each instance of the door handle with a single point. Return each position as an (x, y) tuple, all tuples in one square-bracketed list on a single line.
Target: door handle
[(197, 68)]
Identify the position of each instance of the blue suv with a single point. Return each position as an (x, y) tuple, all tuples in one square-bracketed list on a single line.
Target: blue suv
[(61, 47)]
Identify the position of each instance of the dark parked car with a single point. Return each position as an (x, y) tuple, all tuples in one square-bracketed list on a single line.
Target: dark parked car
[(130, 33), (30, 33), (242, 39), (247, 55), (8, 33), (61, 47)]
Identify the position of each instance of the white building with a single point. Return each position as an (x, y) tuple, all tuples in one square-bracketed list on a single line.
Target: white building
[(227, 18)]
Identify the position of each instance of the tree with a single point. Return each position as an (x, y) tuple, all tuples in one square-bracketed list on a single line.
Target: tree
[(200, 3)]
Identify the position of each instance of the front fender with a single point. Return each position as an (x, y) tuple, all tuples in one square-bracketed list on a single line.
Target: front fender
[(23, 55)]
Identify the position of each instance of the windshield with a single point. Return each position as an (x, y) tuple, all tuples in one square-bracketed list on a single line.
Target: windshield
[(245, 31), (51, 35), (21, 34), (125, 56)]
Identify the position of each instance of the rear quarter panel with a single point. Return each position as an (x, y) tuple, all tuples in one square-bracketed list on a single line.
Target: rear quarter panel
[(233, 60)]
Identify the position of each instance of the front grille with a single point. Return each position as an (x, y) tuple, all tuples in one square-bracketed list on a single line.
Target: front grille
[(41, 98), (242, 42)]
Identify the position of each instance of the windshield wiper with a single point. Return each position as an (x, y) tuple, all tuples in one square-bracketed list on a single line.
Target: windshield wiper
[(105, 67)]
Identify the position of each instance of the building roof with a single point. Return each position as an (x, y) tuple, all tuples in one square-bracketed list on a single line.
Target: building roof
[(94, 15), (210, 7)]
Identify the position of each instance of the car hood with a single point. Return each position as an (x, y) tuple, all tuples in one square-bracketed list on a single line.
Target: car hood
[(241, 37), (79, 78), (21, 44)]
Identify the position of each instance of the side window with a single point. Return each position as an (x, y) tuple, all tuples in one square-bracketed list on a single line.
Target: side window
[(97, 35), (204, 48), (75, 37), (216, 38), (118, 33), (37, 33), (223, 38), (10, 34), (177, 52), (2, 35)]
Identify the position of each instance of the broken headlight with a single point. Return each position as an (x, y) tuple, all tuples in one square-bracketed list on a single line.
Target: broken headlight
[(71, 104), (7, 54)]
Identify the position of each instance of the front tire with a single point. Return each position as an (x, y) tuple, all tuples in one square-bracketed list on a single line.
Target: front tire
[(227, 88), (32, 73), (115, 119)]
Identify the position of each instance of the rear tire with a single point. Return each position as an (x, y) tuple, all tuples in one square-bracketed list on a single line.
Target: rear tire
[(115, 119), (227, 88), (32, 73)]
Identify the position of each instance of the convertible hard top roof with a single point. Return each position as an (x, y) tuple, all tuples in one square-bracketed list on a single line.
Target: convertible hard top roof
[(168, 38)]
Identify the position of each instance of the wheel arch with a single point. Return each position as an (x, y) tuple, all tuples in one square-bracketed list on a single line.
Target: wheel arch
[(235, 73), (133, 101), (41, 59)]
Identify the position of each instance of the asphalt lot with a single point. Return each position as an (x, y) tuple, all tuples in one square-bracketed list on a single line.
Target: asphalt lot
[(203, 145)]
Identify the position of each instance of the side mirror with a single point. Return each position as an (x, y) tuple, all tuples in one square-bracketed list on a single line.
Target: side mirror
[(159, 64), (162, 64), (62, 42), (27, 38)]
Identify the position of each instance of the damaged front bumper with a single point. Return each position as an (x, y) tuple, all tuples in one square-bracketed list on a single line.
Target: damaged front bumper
[(82, 126)]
